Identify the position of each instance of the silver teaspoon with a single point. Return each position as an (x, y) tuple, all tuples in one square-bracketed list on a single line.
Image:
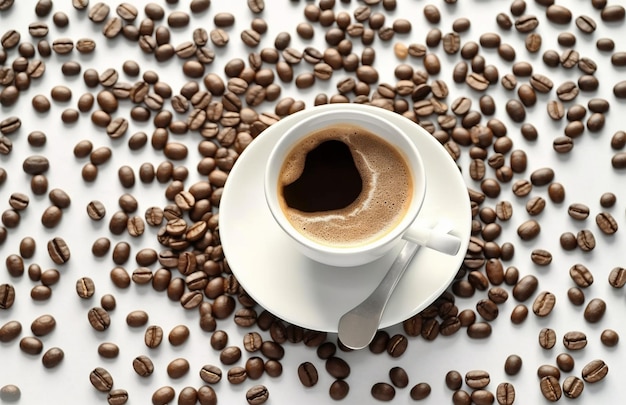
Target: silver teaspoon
[(358, 326)]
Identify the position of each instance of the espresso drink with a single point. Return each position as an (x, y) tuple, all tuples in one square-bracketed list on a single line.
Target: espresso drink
[(344, 186)]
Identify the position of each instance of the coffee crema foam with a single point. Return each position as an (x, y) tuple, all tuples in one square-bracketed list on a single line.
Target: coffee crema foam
[(385, 197)]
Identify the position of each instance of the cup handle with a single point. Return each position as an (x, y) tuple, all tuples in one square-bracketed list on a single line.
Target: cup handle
[(437, 238)]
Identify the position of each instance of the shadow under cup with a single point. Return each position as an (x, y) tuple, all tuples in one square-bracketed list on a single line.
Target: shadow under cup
[(361, 253)]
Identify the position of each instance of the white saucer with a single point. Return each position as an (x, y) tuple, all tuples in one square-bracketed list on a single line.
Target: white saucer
[(314, 296)]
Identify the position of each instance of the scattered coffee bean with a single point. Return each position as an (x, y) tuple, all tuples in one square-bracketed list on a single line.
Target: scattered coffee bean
[(617, 277), (574, 340), (108, 350), (101, 379), (163, 395), (52, 357), (10, 331), (547, 338), (383, 391), (10, 393), (544, 303), (581, 275), (512, 365), (307, 373), (43, 325), (576, 296), (594, 311), (595, 371), (585, 240)]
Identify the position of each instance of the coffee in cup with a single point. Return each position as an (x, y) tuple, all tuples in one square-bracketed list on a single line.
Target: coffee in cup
[(343, 185)]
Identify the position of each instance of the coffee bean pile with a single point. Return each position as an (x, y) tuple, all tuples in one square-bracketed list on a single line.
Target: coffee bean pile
[(221, 107)]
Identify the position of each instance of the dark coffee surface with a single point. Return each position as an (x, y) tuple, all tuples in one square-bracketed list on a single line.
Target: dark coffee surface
[(330, 180)]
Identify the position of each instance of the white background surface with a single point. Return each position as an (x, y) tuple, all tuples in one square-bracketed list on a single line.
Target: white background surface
[(586, 173)]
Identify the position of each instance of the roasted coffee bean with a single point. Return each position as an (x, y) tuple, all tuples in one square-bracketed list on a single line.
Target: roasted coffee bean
[(541, 83), (566, 39), (574, 340), (548, 370), (558, 14), (573, 387), (177, 368), (608, 199), (609, 337), (529, 229), (117, 397), (420, 391), (556, 110), (35, 164), (380, 341), (383, 391), (9, 392), (585, 240), (108, 350), (612, 13), (576, 296), (482, 396), (551, 58), (31, 345), (595, 122), (606, 223), (487, 309), (594, 311), (307, 373), (618, 161), (578, 211), (535, 205), (477, 81), (512, 365), (516, 111), (541, 177), (479, 330), (257, 394), (230, 355), (605, 44), (477, 379), (101, 379), (43, 325), (525, 287), (237, 375), (544, 303), (163, 395), (136, 318), (52, 357), (153, 336), (617, 277), (85, 287), (550, 388), (547, 338), (565, 362), (519, 314), (505, 393), (461, 397), (454, 380), (99, 318), (58, 250), (581, 275), (210, 374), (595, 371), (556, 192), (541, 257)]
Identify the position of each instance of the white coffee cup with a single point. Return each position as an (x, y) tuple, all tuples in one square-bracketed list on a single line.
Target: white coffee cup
[(404, 228)]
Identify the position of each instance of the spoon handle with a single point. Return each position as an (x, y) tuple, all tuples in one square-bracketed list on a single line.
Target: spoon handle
[(358, 326)]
